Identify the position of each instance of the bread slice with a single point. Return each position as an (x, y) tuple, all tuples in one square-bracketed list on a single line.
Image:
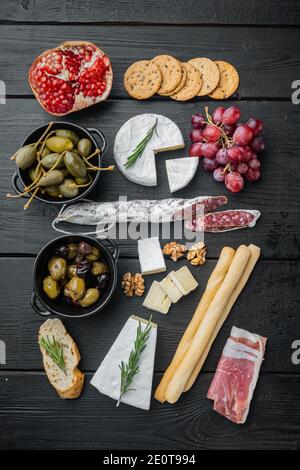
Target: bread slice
[(68, 384)]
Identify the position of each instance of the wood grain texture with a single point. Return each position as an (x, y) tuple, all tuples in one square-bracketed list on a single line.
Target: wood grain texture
[(277, 318), (276, 195), (270, 12), (267, 59), (94, 422)]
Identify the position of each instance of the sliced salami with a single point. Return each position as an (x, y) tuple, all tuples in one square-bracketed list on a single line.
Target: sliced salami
[(224, 221)]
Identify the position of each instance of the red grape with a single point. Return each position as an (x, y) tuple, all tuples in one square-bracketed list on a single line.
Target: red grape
[(230, 129), (257, 144), (246, 152), (242, 135), (218, 114), (252, 175), (256, 125), (219, 174), (198, 121), (242, 168), (234, 182), (212, 133), (195, 150), (209, 164), (196, 135), (222, 156), (231, 115), (234, 154), (254, 163), (209, 149)]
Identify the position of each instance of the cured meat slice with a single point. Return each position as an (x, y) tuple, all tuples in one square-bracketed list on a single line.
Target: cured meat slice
[(235, 379), (223, 221)]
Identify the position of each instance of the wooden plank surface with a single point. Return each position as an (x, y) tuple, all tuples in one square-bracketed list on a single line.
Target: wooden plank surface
[(33, 416), (277, 318), (271, 12), (276, 195), (267, 59)]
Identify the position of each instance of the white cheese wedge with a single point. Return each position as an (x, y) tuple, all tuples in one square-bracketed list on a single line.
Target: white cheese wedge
[(181, 171), (107, 378), (185, 278), (157, 299), (166, 137), (151, 256)]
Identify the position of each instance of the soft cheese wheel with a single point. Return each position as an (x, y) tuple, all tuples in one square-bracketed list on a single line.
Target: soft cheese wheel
[(166, 137)]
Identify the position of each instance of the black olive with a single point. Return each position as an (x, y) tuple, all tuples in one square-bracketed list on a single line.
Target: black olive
[(78, 258), (61, 251), (83, 268), (84, 248), (102, 280)]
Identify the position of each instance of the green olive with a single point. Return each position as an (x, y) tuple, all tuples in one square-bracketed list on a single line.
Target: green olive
[(59, 144), (75, 165), (68, 188), (45, 152), (91, 296), (32, 173), (82, 180), (75, 288), (84, 147), (99, 267), (25, 157), (94, 255), (71, 135), (49, 160), (71, 270), (53, 191), (51, 288), (72, 250), (53, 178), (57, 268)]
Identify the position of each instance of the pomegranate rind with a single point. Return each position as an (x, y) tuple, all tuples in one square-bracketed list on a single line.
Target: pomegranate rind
[(81, 102)]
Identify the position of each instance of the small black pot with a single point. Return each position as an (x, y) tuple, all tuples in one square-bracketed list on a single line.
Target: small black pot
[(20, 178), (58, 306)]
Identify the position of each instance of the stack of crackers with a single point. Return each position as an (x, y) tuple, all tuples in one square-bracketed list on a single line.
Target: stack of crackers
[(181, 81)]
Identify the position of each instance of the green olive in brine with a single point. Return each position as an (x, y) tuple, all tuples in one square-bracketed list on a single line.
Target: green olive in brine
[(51, 287)]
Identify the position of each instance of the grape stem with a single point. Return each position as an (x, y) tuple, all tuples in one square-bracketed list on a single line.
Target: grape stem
[(226, 142)]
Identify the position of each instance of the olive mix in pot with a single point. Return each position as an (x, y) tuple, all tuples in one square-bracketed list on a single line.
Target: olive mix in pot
[(77, 274)]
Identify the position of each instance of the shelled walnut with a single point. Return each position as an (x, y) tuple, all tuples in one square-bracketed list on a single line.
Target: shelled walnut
[(175, 250), (133, 284), (196, 254)]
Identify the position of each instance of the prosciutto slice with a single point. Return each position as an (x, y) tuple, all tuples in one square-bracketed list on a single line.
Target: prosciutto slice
[(235, 379)]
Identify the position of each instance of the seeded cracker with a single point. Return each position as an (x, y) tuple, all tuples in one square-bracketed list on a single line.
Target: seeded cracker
[(142, 79), (192, 85), (229, 81), (181, 84), (209, 72), (171, 71)]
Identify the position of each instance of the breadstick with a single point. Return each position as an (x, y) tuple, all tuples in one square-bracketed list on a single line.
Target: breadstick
[(214, 282), (254, 255), (215, 310)]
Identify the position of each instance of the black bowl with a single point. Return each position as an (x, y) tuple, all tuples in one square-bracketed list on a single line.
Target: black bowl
[(109, 253), (21, 177)]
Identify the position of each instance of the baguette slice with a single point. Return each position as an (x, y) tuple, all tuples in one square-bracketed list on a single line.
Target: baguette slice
[(68, 384)]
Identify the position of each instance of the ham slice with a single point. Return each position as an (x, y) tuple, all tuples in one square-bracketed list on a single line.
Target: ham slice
[(235, 379)]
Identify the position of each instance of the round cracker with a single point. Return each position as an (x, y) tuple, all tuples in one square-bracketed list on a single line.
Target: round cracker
[(192, 85), (209, 72), (181, 84), (229, 81), (171, 71), (142, 79)]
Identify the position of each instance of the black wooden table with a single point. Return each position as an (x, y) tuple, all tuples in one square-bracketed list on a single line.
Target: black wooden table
[(261, 38)]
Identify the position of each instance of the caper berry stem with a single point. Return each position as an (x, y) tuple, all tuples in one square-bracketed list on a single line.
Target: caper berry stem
[(44, 135), (31, 199), (82, 185), (97, 151), (96, 168), (39, 153)]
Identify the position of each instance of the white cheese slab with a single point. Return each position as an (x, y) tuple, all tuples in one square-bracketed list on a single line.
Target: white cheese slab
[(151, 257), (171, 289), (157, 299), (185, 278), (166, 137), (107, 378), (181, 171)]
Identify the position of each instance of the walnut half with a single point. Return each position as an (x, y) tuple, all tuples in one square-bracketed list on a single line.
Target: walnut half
[(196, 254), (133, 284), (174, 250)]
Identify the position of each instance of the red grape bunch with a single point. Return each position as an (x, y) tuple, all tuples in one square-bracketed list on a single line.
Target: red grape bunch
[(227, 148)]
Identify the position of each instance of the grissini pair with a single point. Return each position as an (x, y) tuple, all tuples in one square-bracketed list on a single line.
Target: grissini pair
[(214, 282), (254, 255), (205, 331)]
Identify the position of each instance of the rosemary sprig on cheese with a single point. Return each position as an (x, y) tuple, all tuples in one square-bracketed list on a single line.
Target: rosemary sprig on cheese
[(54, 349), (139, 149), (131, 368)]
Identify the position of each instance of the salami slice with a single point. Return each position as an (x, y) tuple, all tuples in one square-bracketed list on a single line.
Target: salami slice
[(224, 221)]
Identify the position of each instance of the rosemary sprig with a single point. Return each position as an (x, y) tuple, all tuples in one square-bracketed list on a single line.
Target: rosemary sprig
[(54, 349), (139, 149), (131, 368)]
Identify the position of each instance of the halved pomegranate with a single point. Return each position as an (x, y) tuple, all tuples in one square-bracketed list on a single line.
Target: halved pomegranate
[(72, 76)]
